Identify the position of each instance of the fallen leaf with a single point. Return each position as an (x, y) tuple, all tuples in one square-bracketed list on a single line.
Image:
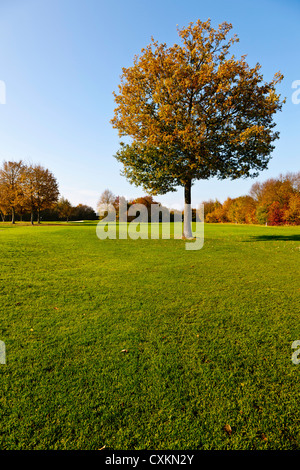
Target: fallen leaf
[(124, 351), (228, 429)]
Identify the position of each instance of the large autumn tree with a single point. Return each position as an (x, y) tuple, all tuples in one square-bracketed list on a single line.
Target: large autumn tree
[(40, 190), (192, 112), (11, 186), (46, 190)]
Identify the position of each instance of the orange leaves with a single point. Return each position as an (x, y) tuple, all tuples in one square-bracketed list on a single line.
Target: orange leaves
[(194, 113), (250, 133), (227, 429)]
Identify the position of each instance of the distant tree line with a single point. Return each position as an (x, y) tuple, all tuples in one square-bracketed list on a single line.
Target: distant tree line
[(30, 192), (108, 201), (65, 211), (273, 202)]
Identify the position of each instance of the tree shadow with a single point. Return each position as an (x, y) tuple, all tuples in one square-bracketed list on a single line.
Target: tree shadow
[(267, 238)]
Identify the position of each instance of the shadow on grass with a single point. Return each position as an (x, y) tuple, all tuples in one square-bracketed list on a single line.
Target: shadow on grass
[(267, 238)]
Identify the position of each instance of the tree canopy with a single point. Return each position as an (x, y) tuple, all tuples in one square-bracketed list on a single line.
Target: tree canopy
[(193, 112), (26, 188)]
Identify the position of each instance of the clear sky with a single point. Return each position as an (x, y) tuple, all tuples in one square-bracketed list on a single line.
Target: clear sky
[(61, 60)]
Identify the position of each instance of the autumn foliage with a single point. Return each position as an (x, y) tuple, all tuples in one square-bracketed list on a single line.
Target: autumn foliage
[(29, 192), (26, 189), (273, 202), (191, 111)]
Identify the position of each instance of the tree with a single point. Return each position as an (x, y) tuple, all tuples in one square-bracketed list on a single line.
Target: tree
[(210, 206), (4, 202), (261, 215), (11, 179), (275, 214), (292, 214), (4, 207), (64, 208), (215, 212), (106, 201), (84, 212), (29, 190), (147, 202), (190, 112), (242, 210), (274, 189), (44, 189), (120, 201), (276, 199)]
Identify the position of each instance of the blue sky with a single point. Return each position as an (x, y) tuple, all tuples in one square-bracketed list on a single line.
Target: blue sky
[(61, 60)]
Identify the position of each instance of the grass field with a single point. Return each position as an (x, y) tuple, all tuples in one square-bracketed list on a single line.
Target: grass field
[(208, 337)]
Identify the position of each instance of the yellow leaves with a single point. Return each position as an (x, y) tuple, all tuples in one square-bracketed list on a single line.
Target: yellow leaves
[(278, 77), (190, 108), (251, 132), (227, 429)]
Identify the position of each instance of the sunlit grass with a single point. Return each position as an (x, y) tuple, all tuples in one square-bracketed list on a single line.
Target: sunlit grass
[(207, 336)]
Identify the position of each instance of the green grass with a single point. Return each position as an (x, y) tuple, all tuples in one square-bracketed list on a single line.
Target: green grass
[(208, 335)]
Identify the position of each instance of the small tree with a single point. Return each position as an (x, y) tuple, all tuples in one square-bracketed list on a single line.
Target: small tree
[(210, 206), (292, 214), (191, 113), (106, 201), (65, 208), (146, 201), (242, 210), (84, 212), (218, 212), (261, 215), (275, 214)]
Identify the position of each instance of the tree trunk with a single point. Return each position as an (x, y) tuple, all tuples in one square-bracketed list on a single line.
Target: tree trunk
[(38, 216), (187, 220), (31, 218), (13, 216)]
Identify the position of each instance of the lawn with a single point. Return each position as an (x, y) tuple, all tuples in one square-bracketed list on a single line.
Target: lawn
[(141, 344)]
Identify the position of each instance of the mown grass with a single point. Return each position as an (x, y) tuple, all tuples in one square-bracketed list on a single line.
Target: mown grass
[(208, 337)]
